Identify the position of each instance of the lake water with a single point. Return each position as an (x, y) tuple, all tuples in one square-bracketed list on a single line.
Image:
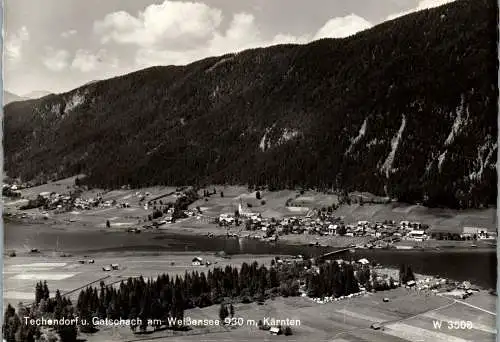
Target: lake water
[(476, 265)]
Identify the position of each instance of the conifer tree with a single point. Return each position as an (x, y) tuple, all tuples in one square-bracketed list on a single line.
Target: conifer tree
[(11, 324), (223, 312)]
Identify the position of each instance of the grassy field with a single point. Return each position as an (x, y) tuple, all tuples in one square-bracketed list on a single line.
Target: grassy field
[(409, 314), (438, 219), (66, 274), (270, 204)]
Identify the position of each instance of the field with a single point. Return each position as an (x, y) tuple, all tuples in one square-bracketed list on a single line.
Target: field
[(66, 273), (270, 204), (438, 219), (348, 320), (408, 315)]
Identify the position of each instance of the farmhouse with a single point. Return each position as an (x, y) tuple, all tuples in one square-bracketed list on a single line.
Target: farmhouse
[(197, 261), (363, 261), (44, 194), (417, 235), (478, 232), (275, 331)]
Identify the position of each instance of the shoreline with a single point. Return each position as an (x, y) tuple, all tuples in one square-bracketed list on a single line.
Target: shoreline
[(191, 227)]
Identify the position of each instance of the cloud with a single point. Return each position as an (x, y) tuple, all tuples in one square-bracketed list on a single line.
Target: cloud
[(181, 24), (343, 27), (69, 33), (14, 44), (85, 61), (55, 60), (422, 5), (241, 34), (182, 32)]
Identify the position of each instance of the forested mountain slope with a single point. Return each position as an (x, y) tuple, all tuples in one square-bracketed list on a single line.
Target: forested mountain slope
[(407, 108)]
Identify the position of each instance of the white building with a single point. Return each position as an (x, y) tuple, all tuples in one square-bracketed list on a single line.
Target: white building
[(363, 261), (417, 235), (197, 261), (245, 213)]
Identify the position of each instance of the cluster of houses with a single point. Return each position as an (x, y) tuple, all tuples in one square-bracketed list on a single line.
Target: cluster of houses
[(11, 190), (328, 225), (329, 299), (57, 201)]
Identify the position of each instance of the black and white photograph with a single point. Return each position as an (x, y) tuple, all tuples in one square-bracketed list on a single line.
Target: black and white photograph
[(250, 170)]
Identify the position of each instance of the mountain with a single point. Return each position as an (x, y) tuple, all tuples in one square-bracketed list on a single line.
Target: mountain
[(37, 94), (407, 108), (91, 82), (9, 97)]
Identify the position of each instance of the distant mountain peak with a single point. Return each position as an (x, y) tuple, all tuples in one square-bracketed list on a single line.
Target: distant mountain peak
[(36, 94), (9, 97)]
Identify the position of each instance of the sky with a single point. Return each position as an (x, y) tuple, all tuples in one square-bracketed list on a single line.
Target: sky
[(58, 45)]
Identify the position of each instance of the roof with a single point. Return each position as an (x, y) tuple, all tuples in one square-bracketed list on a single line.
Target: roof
[(473, 229), (363, 261), (274, 330), (197, 259)]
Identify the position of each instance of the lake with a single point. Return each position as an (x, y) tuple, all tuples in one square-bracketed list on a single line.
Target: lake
[(476, 265)]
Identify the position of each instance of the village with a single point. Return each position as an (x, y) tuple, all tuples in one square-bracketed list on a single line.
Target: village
[(164, 209), (322, 223)]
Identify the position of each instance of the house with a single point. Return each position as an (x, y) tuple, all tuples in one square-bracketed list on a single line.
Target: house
[(106, 269), (226, 218), (275, 331), (363, 261), (473, 230), (480, 233), (197, 261), (114, 266), (417, 235), (44, 194)]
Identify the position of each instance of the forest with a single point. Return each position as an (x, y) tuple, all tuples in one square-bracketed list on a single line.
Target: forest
[(290, 116)]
